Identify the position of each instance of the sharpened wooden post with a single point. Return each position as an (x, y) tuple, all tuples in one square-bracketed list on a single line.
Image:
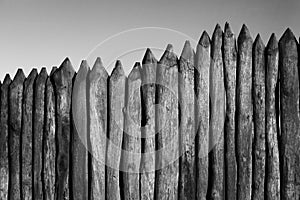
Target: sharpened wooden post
[(79, 137), (49, 143), (259, 116), (244, 114), (289, 110), (131, 156), (187, 179), (148, 126), (4, 157), (27, 148), (15, 130), (217, 117), (202, 66), (62, 78), (97, 129), (167, 122), (272, 154), (117, 82), (230, 56)]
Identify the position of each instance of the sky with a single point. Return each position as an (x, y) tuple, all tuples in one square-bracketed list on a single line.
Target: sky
[(40, 33)]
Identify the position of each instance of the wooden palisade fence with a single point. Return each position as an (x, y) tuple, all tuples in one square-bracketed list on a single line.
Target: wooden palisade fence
[(220, 122)]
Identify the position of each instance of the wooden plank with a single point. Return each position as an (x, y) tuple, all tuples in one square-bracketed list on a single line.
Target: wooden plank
[(167, 122), (4, 157), (117, 82), (38, 128), (49, 143), (244, 114), (131, 155), (63, 89), (272, 154), (202, 66), (187, 178), (14, 129), (97, 129), (149, 64), (79, 157), (217, 115), (230, 55), (27, 150), (289, 110), (259, 116)]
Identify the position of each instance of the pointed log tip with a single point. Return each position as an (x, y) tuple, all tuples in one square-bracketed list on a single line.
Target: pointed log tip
[(287, 36), (204, 39), (244, 33), (118, 69), (97, 71), (217, 31), (168, 56), (169, 48), (7, 80), (148, 57), (33, 73), (42, 75), (53, 70), (258, 43), (84, 67), (135, 72), (20, 76), (67, 66), (227, 30), (273, 43), (187, 51)]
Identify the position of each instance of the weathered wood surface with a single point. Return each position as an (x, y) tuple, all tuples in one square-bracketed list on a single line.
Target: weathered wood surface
[(244, 114), (217, 117), (272, 154), (38, 128), (187, 178), (15, 131), (49, 144), (289, 110), (117, 82), (259, 116), (147, 176), (27, 148), (167, 122), (4, 157), (202, 66), (98, 98), (131, 155), (63, 78), (79, 171), (230, 57)]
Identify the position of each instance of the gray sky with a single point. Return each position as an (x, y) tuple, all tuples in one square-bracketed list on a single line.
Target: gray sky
[(36, 33)]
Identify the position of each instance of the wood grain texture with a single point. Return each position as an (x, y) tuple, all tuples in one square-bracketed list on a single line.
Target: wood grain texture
[(117, 82), (289, 110), (230, 57), (187, 178), (79, 157), (202, 66), (149, 65), (131, 155), (15, 131), (167, 122), (4, 156), (62, 78), (49, 143), (273, 167), (27, 131), (244, 114)]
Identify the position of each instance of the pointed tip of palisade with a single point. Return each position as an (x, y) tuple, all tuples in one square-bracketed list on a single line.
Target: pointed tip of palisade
[(168, 55), (7, 80), (135, 72), (98, 70), (42, 75), (118, 69), (169, 48), (204, 39), (287, 35), (258, 43), (32, 73), (67, 66), (83, 66), (148, 57), (272, 43), (187, 51), (227, 30), (19, 76), (53, 70), (244, 34), (217, 29)]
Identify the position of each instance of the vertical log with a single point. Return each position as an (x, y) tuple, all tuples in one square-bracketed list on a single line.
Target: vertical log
[(244, 114), (49, 143), (187, 179), (259, 107), (216, 125), (117, 82), (289, 110), (98, 127), (167, 123), (148, 122), (27, 110), (4, 157), (79, 138), (202, 65), (230, 55), (63, 89), (132, 136), (272, 154), (38, 128), (15, 129)]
